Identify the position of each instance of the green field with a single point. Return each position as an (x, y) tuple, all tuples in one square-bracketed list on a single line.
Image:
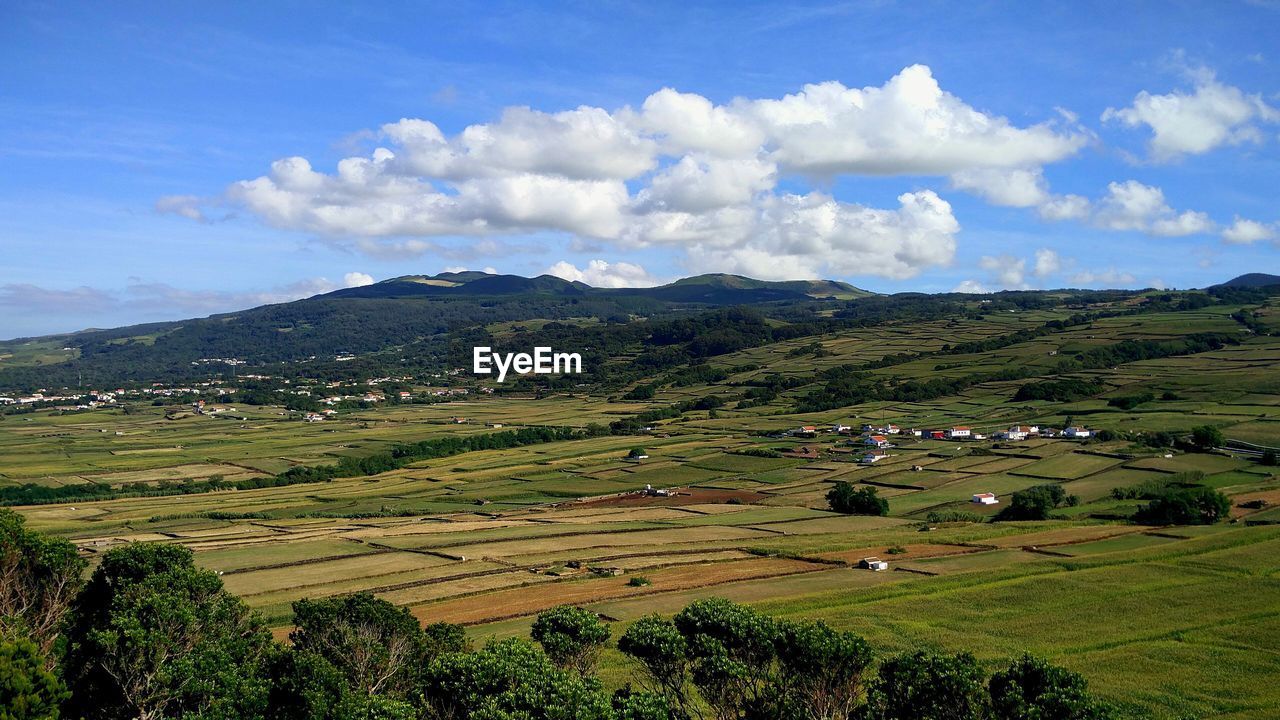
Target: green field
[(1170, 622)]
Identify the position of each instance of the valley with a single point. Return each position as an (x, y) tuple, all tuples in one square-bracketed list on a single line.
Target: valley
[(716, 483)]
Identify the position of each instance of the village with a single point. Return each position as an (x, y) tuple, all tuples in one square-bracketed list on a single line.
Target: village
[(878, 440)]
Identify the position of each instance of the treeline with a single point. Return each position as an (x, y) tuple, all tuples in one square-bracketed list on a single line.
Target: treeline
[(151, 635), (1065, 390)]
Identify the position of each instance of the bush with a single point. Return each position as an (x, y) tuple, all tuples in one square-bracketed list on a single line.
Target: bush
[(1058, 390), (1035, 503), (1269, 458), (639, 581), (945, 516), (1207, 437), (1032, 688), (640, 392), (758, 452), (28, 691), (1189, 506), (844, 499), (925, 685)]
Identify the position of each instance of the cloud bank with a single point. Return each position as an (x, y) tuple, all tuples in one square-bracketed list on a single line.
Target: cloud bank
[(733, 187)]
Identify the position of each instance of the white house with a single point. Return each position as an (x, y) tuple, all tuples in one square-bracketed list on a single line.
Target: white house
[(959, 432), (873, 564), (1015, 433), (874, 456), (879, 441), (840, 428), (985, 499), (1077, 432)]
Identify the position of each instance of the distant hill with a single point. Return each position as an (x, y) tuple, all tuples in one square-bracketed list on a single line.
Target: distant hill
[(417, 316), (720, 288), (1251, 280), (713, 289)]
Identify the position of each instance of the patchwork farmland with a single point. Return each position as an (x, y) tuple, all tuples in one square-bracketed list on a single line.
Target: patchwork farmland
[(737, 507)]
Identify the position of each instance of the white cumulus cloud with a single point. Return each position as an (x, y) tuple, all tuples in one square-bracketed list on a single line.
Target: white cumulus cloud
[(356, 279), (599, 273), (1190, 123), (1244, 231), (971, 287), (1008, 271), (1047, 262), (1010, 187), (1109, 278), (910, 125), (1131, 205), (732, 186)]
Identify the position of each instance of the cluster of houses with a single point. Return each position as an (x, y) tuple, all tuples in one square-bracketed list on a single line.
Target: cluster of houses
[(1022, 432), (96, 398), (877, 439)]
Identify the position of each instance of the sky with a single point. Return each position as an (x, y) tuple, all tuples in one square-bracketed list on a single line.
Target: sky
[(168, 160)]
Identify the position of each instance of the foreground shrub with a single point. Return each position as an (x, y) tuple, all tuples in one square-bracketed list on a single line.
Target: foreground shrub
[(28, 690), (154, 636), (39, 579), (510, 679), (571, 637), (925, 686), (1032, 689)]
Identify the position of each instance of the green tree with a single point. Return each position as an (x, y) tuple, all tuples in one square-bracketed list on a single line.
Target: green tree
[(443, 637), (154, 636), (924, 686), (733, 651), (1207, 437), (1187, 506), (1269, 458), (39, 579), (376, 645), (1034, 503), (842, 498), (571, 636), (355, 656), (28, 689), (664, 654), (510, 680), (821, 670), (1033, 689)]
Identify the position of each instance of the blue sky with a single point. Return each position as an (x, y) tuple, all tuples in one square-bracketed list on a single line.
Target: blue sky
[(146, 171)]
